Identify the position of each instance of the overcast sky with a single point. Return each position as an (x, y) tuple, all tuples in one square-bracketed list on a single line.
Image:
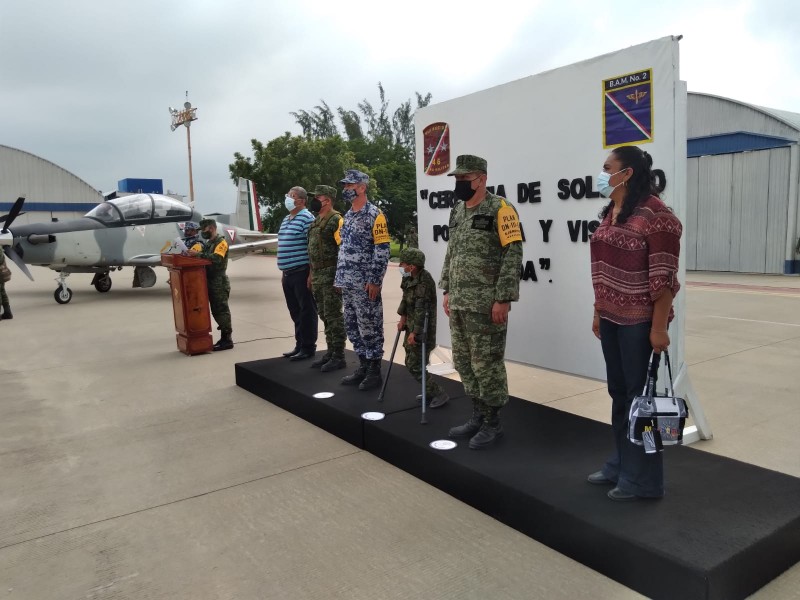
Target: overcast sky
[(87, 84)]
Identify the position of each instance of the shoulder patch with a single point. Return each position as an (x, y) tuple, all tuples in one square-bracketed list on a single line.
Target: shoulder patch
[(337, 235), (221, 248), (380, 230), (508, 226)]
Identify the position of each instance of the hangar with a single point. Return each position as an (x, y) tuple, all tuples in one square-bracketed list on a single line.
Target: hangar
[(742, 185)]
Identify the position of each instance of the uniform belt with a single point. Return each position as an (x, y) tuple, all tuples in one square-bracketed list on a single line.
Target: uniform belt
[(324, 264), (295, 270)]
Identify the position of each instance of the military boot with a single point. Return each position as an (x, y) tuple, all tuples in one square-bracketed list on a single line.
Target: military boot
[(322, 360), (7, 312), (490, 431), (472, 426), (358, 375), (225, 342), (374, 378), (335, 363)]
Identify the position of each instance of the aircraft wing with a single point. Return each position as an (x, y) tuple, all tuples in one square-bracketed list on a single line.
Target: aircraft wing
[(239, 250), (144, 260)]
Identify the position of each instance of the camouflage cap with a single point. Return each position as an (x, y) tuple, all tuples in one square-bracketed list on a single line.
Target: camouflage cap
[(413, 256), (324, 190), (468, 163), (207, 223), (191, 225), (354, 176)]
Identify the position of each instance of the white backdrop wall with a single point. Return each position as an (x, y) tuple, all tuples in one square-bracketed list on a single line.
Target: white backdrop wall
[(545, 138)]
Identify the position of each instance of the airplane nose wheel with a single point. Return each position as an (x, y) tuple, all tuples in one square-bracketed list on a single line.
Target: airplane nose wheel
[(102, 283), (62, 295)]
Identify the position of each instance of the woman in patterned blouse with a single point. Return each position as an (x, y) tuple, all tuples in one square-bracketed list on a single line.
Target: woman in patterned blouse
[(634, 256)]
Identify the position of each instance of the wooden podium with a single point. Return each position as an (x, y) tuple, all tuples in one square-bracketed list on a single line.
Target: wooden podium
[(187, 278)]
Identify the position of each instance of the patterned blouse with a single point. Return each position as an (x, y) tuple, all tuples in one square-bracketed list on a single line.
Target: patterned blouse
[(633, 264)]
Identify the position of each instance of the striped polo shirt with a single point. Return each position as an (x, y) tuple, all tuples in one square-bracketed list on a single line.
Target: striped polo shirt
[(293, 240)]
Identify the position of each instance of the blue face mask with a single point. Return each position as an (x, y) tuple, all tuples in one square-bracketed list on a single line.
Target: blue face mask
[(288, 202), (349, 195), (603, 186)]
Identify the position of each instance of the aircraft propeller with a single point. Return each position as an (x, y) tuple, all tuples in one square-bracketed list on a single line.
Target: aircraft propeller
[(8, 249)]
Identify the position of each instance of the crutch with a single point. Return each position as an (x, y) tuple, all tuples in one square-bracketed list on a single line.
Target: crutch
[(391, 362), (424, 419)]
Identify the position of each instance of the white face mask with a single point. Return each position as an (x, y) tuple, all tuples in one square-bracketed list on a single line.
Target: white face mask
[(603, 186), (288, 202)]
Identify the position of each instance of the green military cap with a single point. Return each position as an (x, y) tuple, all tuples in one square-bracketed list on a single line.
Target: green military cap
[(413, 256), (468, 163), (207, 223), (324, 190)]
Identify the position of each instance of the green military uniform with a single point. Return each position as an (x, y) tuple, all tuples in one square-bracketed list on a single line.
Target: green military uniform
[(3, 296), (478, 271), (323, 252), (419, 296), (219, 288), (481, 268)]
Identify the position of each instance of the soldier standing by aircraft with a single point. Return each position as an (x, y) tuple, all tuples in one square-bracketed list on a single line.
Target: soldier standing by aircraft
[(323, 251), (3, 296), (219, 288)]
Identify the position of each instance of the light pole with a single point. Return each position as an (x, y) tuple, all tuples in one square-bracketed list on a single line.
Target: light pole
[(185, 117)]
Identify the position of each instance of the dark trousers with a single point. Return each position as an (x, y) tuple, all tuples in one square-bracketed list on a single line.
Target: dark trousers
[(302, 308), (627, 349)]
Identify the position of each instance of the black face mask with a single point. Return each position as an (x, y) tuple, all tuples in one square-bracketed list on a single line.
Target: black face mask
[(315, 205), (464, 190)]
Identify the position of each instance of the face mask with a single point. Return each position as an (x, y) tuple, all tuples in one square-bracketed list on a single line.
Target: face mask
[(405, 274), (603, 185), (288, 202), (464, 190), (349, 195), (315, 205), (206, 235)]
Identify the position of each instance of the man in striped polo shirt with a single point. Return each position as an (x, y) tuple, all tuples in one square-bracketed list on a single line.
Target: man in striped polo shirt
[(293, 263)]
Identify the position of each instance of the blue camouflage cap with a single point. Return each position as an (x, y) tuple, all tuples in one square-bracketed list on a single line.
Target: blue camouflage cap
[(354, 176), (191, 225)]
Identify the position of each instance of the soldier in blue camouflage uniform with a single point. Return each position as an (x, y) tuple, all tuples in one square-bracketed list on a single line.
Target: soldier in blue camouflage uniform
[(363, 256), (323, 252), (419, 297), (219, 288), (480, 279), (191, 236)]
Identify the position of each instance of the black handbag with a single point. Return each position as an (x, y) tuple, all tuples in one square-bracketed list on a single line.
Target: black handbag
[(657, 421)]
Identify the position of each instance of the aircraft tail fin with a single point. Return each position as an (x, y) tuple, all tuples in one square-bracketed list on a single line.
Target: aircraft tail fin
[(248, 215)]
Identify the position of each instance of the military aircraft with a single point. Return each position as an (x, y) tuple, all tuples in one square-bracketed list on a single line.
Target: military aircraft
[(128, 231)]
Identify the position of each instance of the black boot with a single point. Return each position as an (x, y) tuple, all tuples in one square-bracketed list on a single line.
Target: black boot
[(472, 426), (225, 342), (359, 374), (490, 431), (321, 360), (7, 312), (335, 363), (374, 378)]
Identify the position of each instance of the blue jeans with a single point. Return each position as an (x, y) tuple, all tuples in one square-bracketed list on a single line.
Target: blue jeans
[(626, 349)]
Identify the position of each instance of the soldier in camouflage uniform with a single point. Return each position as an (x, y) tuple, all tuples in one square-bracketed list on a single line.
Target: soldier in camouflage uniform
[(323, 251), (3, 296), (191, 236), (361, 266), (480, 279), (419, 297), (219, 288)]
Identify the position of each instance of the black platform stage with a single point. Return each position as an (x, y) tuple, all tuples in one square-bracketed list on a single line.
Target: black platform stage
[(724, 529)]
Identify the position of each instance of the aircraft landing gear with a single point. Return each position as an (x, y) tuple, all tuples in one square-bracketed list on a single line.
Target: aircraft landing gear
[(102, 282), (62, 294)]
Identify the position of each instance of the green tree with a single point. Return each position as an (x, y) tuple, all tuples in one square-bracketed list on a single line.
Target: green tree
[(288, 161)]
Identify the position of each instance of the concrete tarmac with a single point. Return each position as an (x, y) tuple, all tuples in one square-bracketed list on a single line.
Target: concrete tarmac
[(131, 471)]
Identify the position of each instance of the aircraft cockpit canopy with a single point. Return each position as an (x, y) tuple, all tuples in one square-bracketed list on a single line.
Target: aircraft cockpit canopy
[(139, 208)]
